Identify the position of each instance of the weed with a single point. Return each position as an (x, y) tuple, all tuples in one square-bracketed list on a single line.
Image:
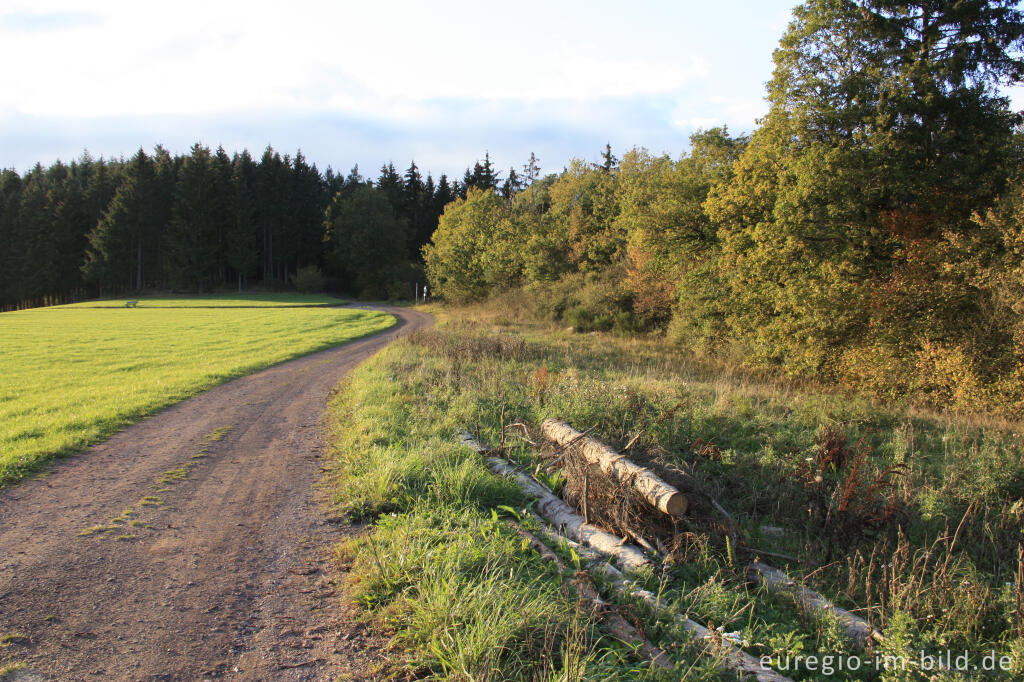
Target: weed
[(174, 475), (218, 434), (8, 638), (7, 668)]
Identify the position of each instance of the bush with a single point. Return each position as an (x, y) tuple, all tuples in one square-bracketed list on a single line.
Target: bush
[(309, 279), (593, 301)]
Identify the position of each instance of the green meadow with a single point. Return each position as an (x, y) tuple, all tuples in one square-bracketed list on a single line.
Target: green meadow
[(71, 376)]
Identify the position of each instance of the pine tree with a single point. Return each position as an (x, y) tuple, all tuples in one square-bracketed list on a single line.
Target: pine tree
[(414, 210), (390, 183), (10, 235), (272, 200), (243, 233), (306, 213), (115, 257), (531, 170), (609, 161), (192, 238), (220, 200), (512, 185), (483, 176)]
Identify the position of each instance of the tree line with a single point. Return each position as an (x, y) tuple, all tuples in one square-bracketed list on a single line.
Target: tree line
[(206, 220), (869, 230)]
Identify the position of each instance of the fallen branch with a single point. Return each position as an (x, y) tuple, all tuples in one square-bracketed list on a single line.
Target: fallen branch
[(300, 664), (657, 492), (613, 620), (561, 515), (856, 628)]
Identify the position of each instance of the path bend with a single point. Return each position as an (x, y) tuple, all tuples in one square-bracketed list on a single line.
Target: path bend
[(218, 575)]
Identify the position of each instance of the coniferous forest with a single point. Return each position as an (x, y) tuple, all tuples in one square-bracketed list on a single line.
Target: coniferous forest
[(207, 220)]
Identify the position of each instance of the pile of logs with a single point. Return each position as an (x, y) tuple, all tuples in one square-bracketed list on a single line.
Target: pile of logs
[(599, 549)]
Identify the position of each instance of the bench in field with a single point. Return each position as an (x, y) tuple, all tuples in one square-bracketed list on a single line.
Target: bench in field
[(131, 304)]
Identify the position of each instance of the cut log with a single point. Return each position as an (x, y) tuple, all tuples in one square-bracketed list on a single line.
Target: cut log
[(559, 514), (856, 628), (657, 492), (613, 621), (731, 656)]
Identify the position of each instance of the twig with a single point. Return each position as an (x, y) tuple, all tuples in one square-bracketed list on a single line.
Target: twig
[(301, 664), (642, 542), (526, 432), (633, 440), (501, 444), (755, 550), (586, 491)]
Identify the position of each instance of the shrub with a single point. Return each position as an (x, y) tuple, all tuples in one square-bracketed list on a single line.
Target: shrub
[(309, 279), (593, 301)]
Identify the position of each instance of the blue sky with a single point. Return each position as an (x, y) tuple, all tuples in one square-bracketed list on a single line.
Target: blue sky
[(368, 83)]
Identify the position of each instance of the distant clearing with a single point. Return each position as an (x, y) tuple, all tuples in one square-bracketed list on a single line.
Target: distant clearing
[(74, 375)]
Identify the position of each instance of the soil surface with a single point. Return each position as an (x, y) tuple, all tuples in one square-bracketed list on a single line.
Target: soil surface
[(219, 569)]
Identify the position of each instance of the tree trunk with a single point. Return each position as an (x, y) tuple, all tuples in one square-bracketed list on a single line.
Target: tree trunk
[(857, 629), (658, 494), (732, 657), (615, 623)]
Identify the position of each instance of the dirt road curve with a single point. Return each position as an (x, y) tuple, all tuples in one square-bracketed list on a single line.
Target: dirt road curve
[(217, 574)]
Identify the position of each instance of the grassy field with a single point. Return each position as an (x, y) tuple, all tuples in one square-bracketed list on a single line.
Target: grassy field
[(73, 375), (912, 520)]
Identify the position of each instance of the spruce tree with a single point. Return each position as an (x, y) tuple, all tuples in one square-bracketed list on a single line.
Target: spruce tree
[(243, 232), (192, 237)]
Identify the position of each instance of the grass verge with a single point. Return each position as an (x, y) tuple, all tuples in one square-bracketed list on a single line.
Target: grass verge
[(911, 520)]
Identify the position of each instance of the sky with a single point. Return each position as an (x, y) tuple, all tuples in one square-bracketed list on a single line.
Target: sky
[(372, 82)]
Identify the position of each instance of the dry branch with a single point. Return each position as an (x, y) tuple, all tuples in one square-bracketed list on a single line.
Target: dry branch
[(775, 580), (657, 492), (561, 515)]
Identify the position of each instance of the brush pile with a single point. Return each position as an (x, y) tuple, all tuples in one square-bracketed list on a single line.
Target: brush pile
[(619, 497)]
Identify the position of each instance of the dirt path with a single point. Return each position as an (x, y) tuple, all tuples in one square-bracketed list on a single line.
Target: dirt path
[(218, 570)]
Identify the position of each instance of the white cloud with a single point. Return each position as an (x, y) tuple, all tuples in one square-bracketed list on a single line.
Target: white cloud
[(405, 77), (202, 57)]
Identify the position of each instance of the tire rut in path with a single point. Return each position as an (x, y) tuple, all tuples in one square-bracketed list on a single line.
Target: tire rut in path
[(219, 573)]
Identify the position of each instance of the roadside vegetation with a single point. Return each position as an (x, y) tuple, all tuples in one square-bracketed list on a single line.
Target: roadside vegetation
[(910, 519), (75, 375)]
